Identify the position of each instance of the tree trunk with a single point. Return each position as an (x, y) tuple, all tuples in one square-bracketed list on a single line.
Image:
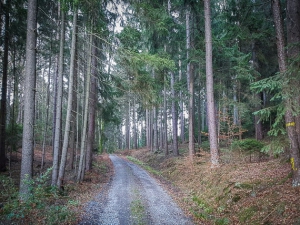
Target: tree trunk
[(293, 37), (174, 117), (181, 105), (47, 109), (81, 166), (73, 139), (3, 115), (29, 97), (69, 107), (134, 122), (92, 111), (165, 124), (56, 147), (214, 150), (127, 124)]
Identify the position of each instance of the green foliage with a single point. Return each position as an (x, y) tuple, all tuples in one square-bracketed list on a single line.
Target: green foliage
[(246, 214), (205, 146), (248, 145), (276, 146), (57, 214), (222, 221), (14, 136), (273, 86), (8, 189), (130, 38), (39, 201)]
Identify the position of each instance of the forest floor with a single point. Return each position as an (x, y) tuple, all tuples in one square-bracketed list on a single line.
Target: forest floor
[(71, 200), (239, 192)]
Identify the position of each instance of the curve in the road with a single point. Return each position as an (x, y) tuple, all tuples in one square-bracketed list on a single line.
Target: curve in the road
[(133, 197)]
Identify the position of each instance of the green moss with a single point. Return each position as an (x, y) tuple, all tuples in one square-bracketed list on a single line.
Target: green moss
[(246, 214), (236, 198)]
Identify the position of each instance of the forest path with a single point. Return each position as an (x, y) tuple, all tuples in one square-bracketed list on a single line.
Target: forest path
[(133, 197)]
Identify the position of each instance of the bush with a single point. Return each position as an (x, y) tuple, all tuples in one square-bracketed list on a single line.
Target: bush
[(247, 145), (14, 136), (205, 146), (40, 204)]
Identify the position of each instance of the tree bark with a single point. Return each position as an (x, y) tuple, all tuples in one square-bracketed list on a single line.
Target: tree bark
[(174, 117), (56, 147), (47, 109), (92, 111), (69, 106), (3, 114), (81, 166), (29, 97), (214, 150), (165, 123), (293, 37), (73, 139)]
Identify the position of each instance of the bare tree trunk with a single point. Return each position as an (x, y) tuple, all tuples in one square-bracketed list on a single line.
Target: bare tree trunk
[(147, 129), (92, 111), (59, 103), (214, 149), (165, 124), (3, 113), (191, 115), (190, 79), (293, 29), (134, 122), (127, 124), (155, 133), (174, 117), (47, 109), (81, 166), (29, 95), (74, 113), (69, 107)]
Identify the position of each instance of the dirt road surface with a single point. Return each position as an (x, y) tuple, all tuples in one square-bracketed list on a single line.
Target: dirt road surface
[(133, 197)]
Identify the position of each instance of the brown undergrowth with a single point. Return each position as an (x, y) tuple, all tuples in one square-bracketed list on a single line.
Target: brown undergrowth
[(71, 199), (238, 192)]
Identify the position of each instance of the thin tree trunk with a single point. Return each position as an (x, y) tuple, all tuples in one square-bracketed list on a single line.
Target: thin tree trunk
[(92, 111), (165, 120), (80, 174), (59, 104), (3, 114), (181, 106), (127, 135), (29, 95), (214, 150), (69, 106), (73, 138), (174, 117), (47, 109), (134, 122)]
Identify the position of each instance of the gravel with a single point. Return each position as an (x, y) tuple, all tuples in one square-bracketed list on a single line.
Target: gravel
[(132, 197)]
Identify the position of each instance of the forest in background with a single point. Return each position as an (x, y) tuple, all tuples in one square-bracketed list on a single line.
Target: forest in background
[(95, 76)]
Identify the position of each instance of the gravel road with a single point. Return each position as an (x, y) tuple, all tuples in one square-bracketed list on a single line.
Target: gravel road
[(132, 197)]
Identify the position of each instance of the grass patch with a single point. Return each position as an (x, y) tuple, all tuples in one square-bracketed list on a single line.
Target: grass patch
[(137, 209), (246, 214), (144, 165)]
